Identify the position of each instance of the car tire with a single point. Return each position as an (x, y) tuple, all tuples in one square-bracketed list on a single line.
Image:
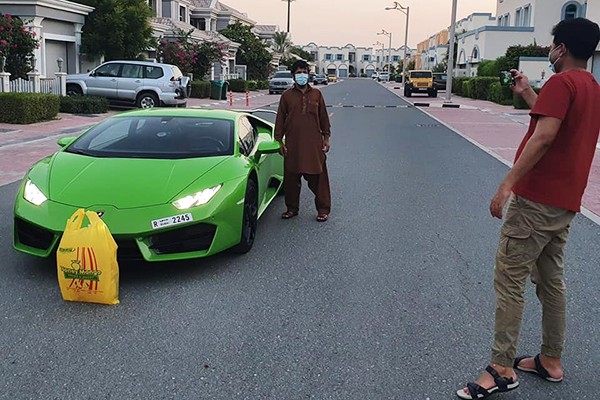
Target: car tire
[(74, 90), (147, 100), (270, 92), (407, 93), (249, 218)]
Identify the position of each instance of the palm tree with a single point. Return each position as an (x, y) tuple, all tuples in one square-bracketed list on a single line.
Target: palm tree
[(282, 44)]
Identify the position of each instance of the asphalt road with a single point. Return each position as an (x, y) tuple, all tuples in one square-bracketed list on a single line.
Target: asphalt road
[(390, 299)]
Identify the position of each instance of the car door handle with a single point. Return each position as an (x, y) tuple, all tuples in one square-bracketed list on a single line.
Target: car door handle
[(113, 80), (138, 81)]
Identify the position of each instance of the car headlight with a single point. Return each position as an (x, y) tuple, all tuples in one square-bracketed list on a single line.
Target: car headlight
[(196, 199), (33, 195)]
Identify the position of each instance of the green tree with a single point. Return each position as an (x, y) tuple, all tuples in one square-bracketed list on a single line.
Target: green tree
[(282, 44), (252, 51), (17, 43), (513, 53), (117, 29)]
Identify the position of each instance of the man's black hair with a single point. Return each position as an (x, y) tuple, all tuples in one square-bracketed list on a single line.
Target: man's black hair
[(300, 64), (579, 35)]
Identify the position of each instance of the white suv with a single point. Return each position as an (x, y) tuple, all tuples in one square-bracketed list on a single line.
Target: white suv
[(141, 83)]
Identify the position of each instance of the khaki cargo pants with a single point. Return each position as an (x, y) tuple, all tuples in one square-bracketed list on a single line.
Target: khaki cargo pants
[(532, 243)]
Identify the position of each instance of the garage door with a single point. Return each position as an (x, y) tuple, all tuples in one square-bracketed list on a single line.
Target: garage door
[(54, 50), (343, 73)]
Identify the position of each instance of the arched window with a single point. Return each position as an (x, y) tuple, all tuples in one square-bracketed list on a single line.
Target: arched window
[(475, 54), (571, 10)]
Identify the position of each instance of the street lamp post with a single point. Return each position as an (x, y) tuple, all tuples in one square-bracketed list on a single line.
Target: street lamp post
[(388, 34), (406, 11), (289, 12), (450, 70)]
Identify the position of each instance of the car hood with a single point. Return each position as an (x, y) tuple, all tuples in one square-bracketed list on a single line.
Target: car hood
[(77, 76), (84, 181), (286, 80)]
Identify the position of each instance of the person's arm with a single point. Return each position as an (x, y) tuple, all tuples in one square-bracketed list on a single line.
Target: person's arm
[(544, 135), (523, 88), (280, 123), (325, 124)]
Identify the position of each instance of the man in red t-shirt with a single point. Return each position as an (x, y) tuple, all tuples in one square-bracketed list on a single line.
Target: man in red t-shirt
[(547, 181)]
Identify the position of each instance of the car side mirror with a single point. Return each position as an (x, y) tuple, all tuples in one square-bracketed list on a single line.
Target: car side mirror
[(64, 142), (271, 147)]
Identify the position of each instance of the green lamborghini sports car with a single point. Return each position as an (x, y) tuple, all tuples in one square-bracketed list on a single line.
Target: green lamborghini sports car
[(170, 184)]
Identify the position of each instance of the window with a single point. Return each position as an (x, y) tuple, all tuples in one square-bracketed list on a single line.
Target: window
[(247, 136), (153, 72), (339, 57), (571, 11), (527, 16), (109, 70), (518, 16), (366, 57), (378, 59), (132, 71), (395, 58), (182, 14), (328, 57), (507, 20)]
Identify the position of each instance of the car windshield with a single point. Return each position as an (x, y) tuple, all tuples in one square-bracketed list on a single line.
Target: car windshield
[(157, 137), (440, 76), (420, 74), (283, 74)]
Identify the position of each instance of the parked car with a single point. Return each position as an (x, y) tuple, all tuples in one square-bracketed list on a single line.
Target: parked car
[(280, 82), (420, 82), (191, 183), (439, 80), (383, 77), (320, 80), (332, 78), (375, 76), (140, 83)]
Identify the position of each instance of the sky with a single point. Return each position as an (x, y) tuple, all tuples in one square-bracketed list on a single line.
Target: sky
[(339, 22)]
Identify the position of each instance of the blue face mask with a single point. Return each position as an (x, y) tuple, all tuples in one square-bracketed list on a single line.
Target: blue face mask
[(301, 79), (552, 65)]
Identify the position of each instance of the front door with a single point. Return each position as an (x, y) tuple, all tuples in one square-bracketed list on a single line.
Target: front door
[(104, 81)]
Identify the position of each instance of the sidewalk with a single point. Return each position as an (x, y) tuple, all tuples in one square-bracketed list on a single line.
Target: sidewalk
[(22, 145), (497, 130)]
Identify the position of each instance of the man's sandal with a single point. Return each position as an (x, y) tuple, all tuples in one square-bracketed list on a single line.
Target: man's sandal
[(477, 392), (539, 369), (322, 217), (289, 214)]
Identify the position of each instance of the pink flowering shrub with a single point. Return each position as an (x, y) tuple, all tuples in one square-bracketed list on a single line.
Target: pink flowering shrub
[(190, 56), (17, 43)]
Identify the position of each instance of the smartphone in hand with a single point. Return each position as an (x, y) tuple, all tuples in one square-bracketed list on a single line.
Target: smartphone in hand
[(507, 78)]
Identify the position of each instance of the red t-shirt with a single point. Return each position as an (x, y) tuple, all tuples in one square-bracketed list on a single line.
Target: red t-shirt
[(560, 177)]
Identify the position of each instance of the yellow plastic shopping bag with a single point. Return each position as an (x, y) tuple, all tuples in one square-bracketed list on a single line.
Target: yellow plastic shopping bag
[(87, 261)]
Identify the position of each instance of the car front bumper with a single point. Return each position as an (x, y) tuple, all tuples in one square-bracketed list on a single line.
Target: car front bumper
[(215, 227)]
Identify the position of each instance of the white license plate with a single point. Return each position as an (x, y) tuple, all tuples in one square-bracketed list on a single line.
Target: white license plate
[(171, 221)]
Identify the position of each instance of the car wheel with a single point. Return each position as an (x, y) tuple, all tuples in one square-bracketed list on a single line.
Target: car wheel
[(249, 218), (408, 93), (147, 100), (74, 90), (270, 92)]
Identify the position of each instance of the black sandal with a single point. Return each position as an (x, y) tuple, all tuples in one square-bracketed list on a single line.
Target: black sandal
[(477, 392), (539, 369), (289, 214)]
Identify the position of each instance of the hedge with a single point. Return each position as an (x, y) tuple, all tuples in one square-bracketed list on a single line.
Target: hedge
[(479, 87), (457, 85), (200, 89), (263, 85), (466, 89), (500, 94), (519, 103), (238, 85), (27, 108), (83, 105), (252, 86)]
